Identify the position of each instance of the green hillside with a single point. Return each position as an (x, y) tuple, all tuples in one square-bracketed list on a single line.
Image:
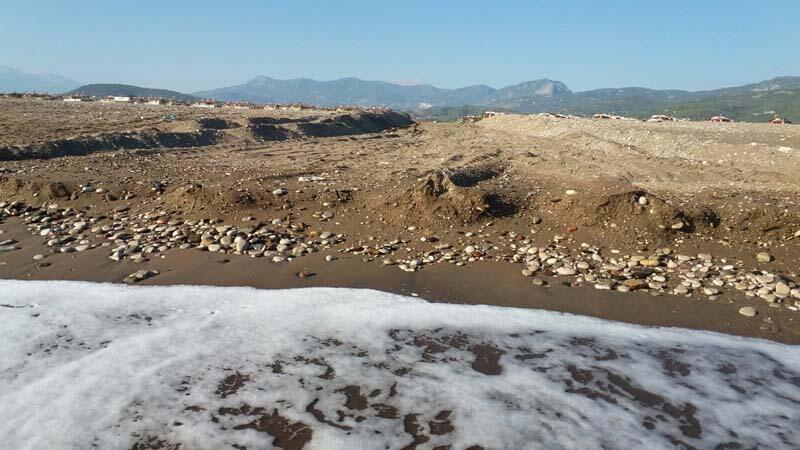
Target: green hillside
[(126, 90)]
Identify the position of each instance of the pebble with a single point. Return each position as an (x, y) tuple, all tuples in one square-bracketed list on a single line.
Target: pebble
[(782, 289), (764, 257), (748, 311), (566, 271), (279, 191)]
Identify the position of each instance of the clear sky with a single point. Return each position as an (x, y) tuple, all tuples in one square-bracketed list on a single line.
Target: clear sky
[(194, 45)]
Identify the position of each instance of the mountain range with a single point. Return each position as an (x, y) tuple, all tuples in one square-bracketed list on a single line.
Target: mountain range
[(14, 80), (757, 102)]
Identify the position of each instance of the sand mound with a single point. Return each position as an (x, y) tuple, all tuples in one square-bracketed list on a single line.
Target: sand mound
[(451, 196), (634, 209), (195, 198)]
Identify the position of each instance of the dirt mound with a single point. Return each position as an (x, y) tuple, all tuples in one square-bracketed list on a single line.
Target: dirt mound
[(217, 123), (281, 128), (442, 196), (196, 198), (110, 142), (256, 121), (638, 210), (267, 132), (359, 123)]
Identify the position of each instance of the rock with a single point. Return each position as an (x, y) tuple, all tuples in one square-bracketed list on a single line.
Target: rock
[(748, 311), (650, 262), (38, 257), (643, 200), (571, 192), (241, 245), (634, 284), (677, 225), (279, 191), (782, 290), (681, 290), (602, 286), (711, 291), (537, 282), (8, 248), (214, 247), (140, 275), (329, 258), (566, 271), (764, 257)]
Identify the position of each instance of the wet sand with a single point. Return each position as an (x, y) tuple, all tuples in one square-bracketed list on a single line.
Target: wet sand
[(486, 282)]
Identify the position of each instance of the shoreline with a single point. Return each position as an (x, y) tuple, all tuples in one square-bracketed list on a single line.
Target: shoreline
[(483, 282)]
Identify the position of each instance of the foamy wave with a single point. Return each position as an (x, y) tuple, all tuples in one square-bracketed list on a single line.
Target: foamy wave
[(110, 366)]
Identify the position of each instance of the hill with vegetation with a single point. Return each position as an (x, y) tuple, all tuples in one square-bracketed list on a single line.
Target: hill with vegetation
[(126, 90)]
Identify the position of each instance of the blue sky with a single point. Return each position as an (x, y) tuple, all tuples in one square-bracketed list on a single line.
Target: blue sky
[(201, 44)]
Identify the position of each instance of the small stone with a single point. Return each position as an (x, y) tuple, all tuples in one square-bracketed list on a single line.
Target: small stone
[(634, 284), (764, 257), (566, 271), (643, 200), (537, 282), (748, 311), (782, 290), (279, 191), (710, 291)]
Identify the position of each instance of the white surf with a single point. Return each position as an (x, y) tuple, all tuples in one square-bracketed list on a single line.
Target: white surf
[(107, 366)]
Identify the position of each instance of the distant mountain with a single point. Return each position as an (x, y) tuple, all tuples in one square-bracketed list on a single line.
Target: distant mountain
[(756, 102), (352, 91), (752, 102), (126, 90), (14, 80)]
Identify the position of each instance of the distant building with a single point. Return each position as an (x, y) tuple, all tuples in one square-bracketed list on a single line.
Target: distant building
[(779, 120), (661, 118), (719, 119), (72, 99), (121, 98), (204, 104)]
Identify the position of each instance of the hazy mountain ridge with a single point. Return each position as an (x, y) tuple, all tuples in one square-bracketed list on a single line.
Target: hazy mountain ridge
[(14, 80), (353, 91), (751, 102)]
